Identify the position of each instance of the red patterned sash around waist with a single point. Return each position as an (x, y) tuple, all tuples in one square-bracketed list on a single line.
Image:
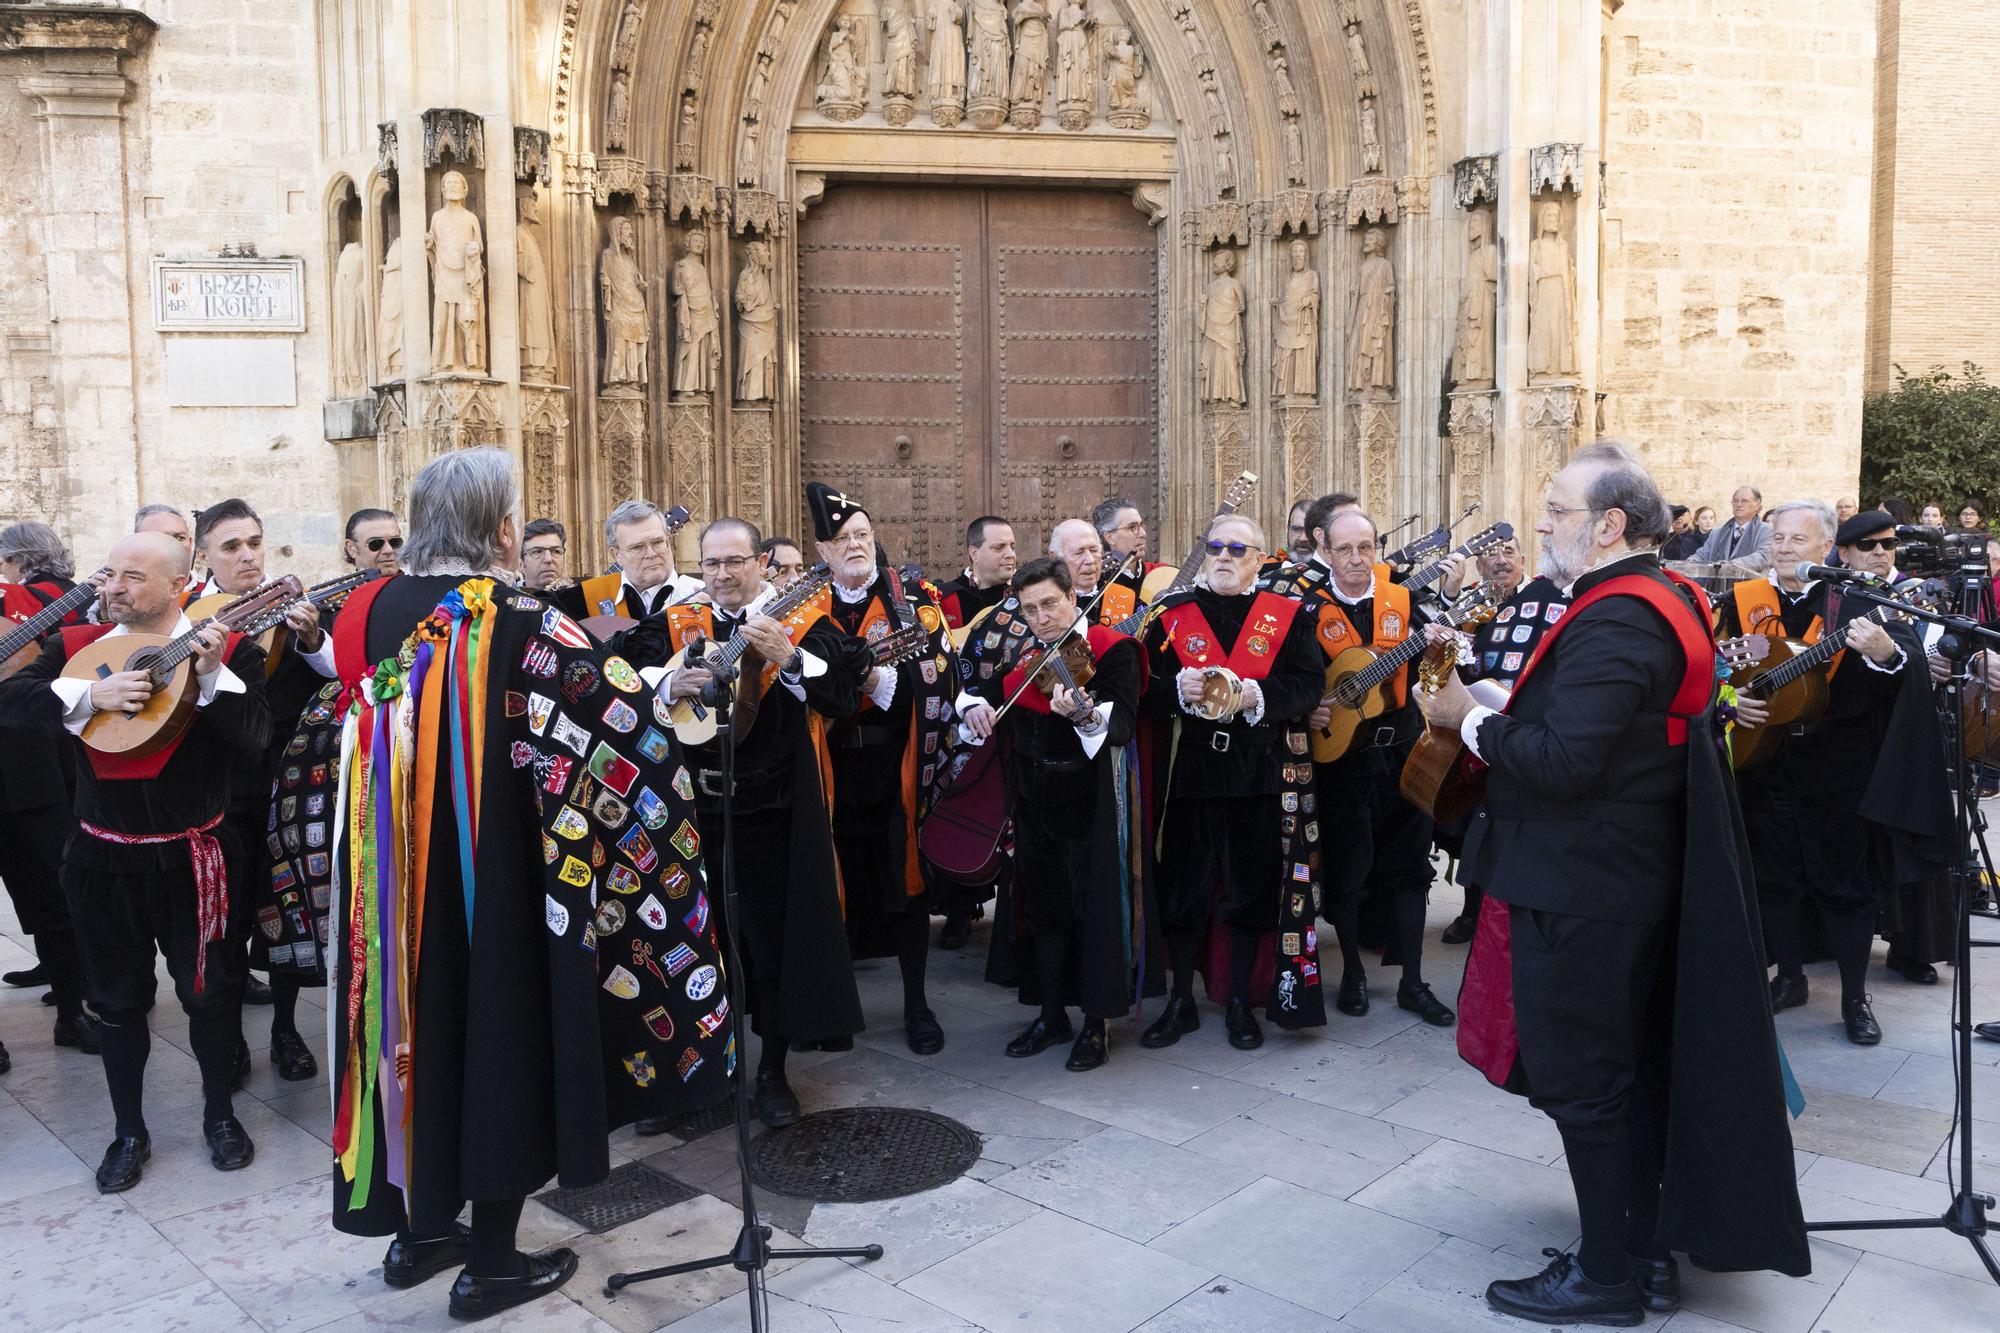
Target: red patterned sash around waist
[(211, 881)]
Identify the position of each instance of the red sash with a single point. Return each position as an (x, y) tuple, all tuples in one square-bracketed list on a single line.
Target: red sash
[(124, 767), (1256, 647), (1032, 698), (350, 633)]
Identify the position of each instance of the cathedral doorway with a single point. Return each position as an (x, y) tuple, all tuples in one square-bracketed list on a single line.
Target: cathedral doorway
[(970, 351)]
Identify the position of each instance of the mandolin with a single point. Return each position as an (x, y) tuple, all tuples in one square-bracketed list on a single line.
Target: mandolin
[(1436, 779), (603, 626), (1791, 684), (265, 626), (160, 722), (1358, 680), (23, 643), (694, 722)]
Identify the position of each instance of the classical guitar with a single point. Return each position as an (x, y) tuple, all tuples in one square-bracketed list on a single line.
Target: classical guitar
[(694, 722), (267, 626), (169, 662), (601, 627), (1358, 681), (1790, 683), (892, 649), (1435, 778), (23, 643)]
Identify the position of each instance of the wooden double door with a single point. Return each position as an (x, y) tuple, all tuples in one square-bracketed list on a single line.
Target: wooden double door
[(974, 351)]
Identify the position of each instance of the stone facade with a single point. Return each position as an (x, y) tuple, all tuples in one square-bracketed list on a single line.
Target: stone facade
[(1675, 210)]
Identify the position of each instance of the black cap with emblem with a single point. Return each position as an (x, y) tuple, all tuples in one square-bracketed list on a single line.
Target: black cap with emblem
[(830, 510)]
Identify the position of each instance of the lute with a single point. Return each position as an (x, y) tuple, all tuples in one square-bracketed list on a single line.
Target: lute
[(22, 644)]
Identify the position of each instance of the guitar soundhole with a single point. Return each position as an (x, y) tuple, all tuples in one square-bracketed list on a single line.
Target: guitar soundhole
[(143, 660)]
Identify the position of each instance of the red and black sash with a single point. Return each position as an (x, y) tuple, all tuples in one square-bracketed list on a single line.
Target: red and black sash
[(1032, 698), (125, 767), (1257, 643)]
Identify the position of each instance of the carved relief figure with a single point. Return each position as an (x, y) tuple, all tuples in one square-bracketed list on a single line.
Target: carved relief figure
[(1281, 82), (1031, 61), (899, 78), (843, 88), (389, 313), (1371, 328), (1073, 24), (1124, 66), (457, 253), (1298, 326), (1295, 151), (746, 155), (1222, 332), (684, 139), (946, 24), (621, 294), (350, 322), (625, 47), (1472, 350), (1551, 299), (619, 117), (991, 51), (696, 323), (1371, 139), (538, 310), (756, 328)]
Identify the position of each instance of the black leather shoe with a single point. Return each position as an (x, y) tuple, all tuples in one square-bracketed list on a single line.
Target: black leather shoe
[(1990, 1031), (1244, 1034), (1419, 1001), (1038, 1036), (293, 1057), (1176, 1020), (255, 991), (1092, 1046), (648, 1126), (48, 997), (1561, 1294), (80, 1032), (921, 1029), (409, 1262), (1461, 930), (229, 1146), (1859, 1017), (119, 1171), (1788, 992), (477, 1297), (775, 1103), (1923, 974), (1353, 998), (37, 975), (957, 930), (1659, 1282)]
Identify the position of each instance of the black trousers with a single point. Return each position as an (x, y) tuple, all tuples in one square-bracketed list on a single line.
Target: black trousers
[(128, 921), (1594, 1025), (1809, 844), (31, 859), (1373, 839), (763, 855), (1232, 842)]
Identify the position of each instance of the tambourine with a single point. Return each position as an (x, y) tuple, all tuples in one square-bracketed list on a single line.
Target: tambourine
[(1221, 695)]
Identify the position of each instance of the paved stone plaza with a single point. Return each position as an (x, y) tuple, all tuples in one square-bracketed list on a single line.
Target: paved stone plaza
[(1356, 1178)]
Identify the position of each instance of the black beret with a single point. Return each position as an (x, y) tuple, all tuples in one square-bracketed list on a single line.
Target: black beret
[(1865, 524)]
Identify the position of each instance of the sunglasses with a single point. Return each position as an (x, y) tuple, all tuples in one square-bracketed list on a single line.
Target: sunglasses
[(1875, 544), (377, 543), (1235, 549)]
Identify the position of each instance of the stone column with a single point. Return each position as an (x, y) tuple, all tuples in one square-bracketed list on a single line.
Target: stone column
[(1470, 430), (67, 62)]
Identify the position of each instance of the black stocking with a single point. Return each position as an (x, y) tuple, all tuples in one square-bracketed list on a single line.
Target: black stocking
[(492, 1252), (1852, 935), (1242, 957), (126, 1043), (284, 1004), (1180, 957), (1781, 932), (1410, 935), (1346, 921), (57, 950), (913, 947), (772, 1060), (214, 1034), (1600, 1170), (1051, 968)]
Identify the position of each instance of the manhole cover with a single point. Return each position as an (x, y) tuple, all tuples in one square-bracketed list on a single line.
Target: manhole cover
[(861, 1153), (626, 1195)]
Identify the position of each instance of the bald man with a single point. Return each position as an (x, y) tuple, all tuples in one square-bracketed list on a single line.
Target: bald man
[(143, 873)]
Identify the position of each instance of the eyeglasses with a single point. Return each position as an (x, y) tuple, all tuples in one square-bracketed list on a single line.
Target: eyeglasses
[(1876, 544), (1237, 550), (853, 539), (647, 548), (1136, 525), (1556, 511), (377, 543), (732, 563), (1358, 548), (550, 549)]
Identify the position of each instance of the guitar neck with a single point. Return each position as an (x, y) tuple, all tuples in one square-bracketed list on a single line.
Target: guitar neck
[(46, 619), (1817, 656), (788, 601)]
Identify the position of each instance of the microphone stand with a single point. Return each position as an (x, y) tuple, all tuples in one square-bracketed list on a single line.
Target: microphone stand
[(752, 1252), (1966, 1214)]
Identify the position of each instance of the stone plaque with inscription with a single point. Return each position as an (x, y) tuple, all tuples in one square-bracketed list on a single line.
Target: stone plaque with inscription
[(229, 295)]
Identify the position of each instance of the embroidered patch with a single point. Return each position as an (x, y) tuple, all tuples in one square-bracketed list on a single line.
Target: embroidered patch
[(689, 1062), (549, 849), (686, 841), (621, 983), (523, 602), (570, 823), (1528, 610), (574, 872), (1512, 662), (539, 658), (1554, 613), (652, 913), (675, 881), (1522, 633), (556, 915), (553, 769), (620, 716), (696, 919), (614, 770), (679, 959), (1288, 944), (659, 1023), (654, 745), (579, 680), (539, 708), (610, 811), (621, 675), (1290, 801), (1506, 614), (515, 703), (638, 849), (683, 784), (1258, 645), (610, 918), (318, 865), (316, 835), (622, 879), (640, 1066), (711, 1022), (564, 630), (1301, 872), (652, 810), (701, 982)]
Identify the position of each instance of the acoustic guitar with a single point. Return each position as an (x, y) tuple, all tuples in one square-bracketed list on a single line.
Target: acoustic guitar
[(1480, 541), (1358, 680), (602, 627), (892, 649), (694, 722), (1792, 685), (166, 714), (23, 643)]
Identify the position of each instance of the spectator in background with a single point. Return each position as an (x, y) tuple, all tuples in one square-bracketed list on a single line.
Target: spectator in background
[(1704, 520), (1745, 534), (783, 560), (543, 543), (1932, 516), (1971, 518), (1685, 539)]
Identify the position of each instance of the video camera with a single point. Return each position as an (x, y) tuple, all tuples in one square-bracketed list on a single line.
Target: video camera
[(1934, 553)]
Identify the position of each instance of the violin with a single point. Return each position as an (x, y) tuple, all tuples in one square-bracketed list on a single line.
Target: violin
[(1069, 667)]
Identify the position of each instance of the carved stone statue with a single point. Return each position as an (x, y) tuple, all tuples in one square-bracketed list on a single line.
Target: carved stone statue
[(1371, 328), (1124, 66), (621, 295), (625, 47), (684, 138), (1031, 62), (1551, 299), (843, 88), (389, 313), (1371, 138), (1281, 82), (899, 75), (1298, 326), (946, 24), (538, 308), (457, 253), (991, 53), (1295, 151), (697, 350), (1075, 99), (1478, 305), (1225, 167), (1222, 332), (619, 117), (746, 154), (350, 322), (756, 328)]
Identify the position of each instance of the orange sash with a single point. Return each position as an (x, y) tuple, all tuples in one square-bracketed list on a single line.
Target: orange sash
[(1337, 634), (1759, 612)]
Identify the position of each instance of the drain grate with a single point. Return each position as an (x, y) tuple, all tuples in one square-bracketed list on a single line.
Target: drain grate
[(626, 1195), (702, 1120), (861, 1153)]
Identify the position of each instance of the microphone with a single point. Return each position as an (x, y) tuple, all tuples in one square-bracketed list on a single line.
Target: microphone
[(1838, 573)]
